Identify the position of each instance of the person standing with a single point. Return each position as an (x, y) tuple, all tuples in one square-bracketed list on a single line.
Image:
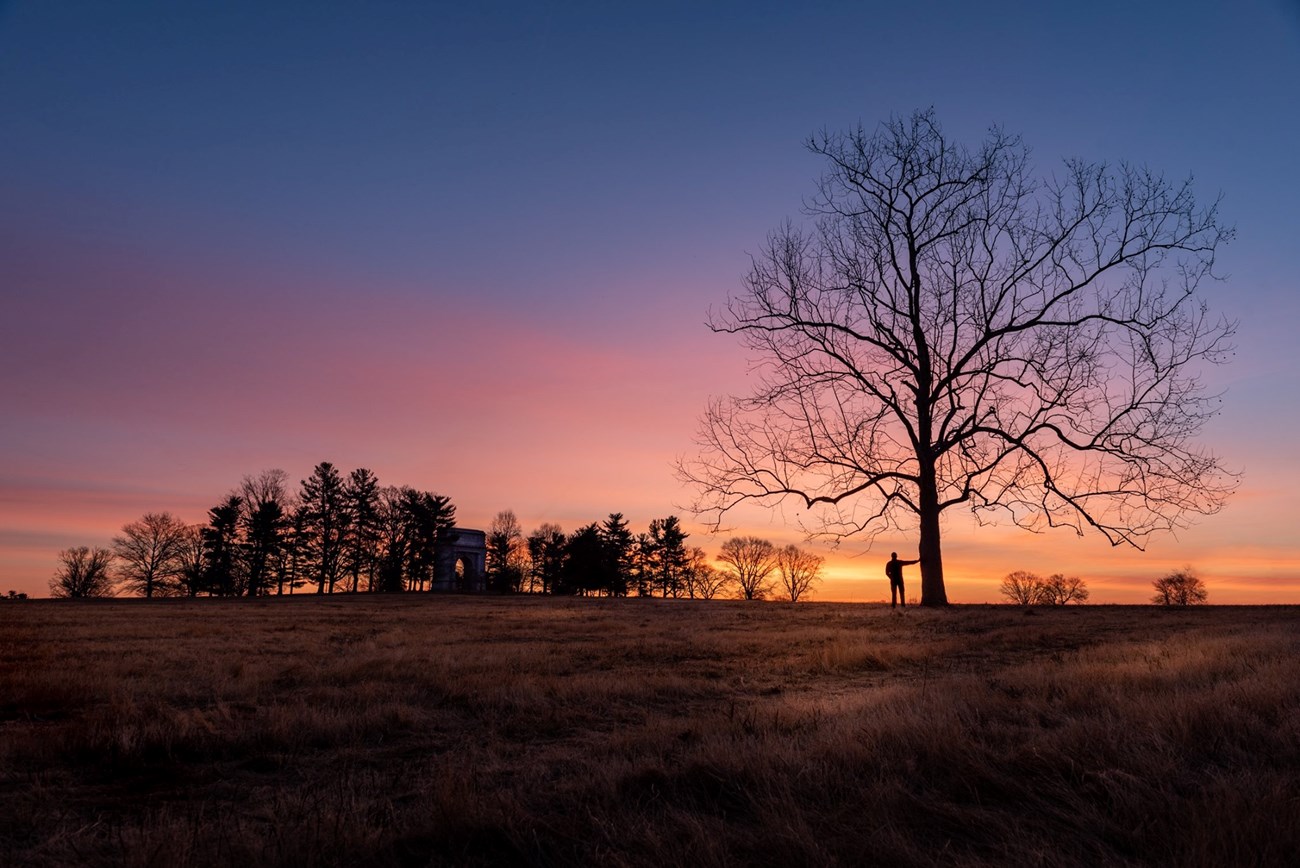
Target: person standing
[(894, 569)]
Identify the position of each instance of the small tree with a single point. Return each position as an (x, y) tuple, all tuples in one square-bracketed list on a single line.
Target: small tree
[(703, 580), (751, 561), (191, 577), (1058, 590), (797, 570), (223, 574), (1021, 587), (361, 544), (620, 549), (326, 527), (148, 554), (263, 529), (545, 557), (83, 572), (586, 566), (1179, 588), (666, 555), (505, 553)]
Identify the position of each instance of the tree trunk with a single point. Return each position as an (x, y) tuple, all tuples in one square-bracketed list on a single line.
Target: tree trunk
[(932, 589)]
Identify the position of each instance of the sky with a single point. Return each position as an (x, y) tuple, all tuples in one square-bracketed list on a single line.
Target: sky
[(472, 246)]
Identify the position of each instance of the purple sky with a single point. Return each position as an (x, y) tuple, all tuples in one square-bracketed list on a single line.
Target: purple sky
[(471, 245)]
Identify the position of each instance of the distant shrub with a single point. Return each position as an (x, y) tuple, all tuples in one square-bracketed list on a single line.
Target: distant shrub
[(1179, 588), (1021, 587), (1058, 589), (1029, 589)]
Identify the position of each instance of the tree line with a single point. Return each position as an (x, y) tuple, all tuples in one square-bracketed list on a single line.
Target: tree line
[(606, 558), (333, 533), (338, 533)]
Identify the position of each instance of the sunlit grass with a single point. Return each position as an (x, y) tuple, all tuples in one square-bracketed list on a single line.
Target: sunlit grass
[(454, 730)]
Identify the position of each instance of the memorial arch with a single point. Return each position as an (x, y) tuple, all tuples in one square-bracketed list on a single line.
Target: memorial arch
[(460, 563)]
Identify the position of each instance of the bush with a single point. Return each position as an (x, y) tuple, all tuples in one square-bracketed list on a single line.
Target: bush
[(1029, 589), (1179, 588)]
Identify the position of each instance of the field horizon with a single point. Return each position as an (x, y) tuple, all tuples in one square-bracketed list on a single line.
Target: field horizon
[(452, 730)]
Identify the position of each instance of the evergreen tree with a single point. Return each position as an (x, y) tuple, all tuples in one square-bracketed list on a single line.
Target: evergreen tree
[(428, 519), (586, 566), (325, 525), (221, 548), (619, 549), (546, 556), (361, 503), (668, 556)]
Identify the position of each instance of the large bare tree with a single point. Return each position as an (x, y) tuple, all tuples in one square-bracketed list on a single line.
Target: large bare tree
[(149, 554), (951, 331)]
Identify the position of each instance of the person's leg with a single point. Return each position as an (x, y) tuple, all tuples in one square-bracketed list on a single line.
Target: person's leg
[(902, 594), (893, 593)]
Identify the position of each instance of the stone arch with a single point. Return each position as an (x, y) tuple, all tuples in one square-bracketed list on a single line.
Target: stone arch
[(461, 561)]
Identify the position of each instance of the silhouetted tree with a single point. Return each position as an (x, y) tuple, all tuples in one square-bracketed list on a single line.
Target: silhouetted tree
[(1180, 588), (264, 523), (505, 553), (546, 556), (394, 530), (954, 332), (83, 572), (619, 549), (325, 525), (797, 570), (191, 575), (148, 554), (751, 561), (429, 519), (293, 561), (1022, 587), (666, 557), (360, 546), (1059, 590), (221, 549), (587, 567), (702, 580)]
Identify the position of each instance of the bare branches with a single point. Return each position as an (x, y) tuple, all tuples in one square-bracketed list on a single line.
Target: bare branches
[(950, 330), (83, 572), (797, 570), (750, 560)]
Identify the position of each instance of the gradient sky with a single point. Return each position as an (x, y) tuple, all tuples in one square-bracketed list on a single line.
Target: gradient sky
[(472, 245)]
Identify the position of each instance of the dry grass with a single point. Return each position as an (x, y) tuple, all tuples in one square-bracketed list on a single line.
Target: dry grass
[(454, 730)]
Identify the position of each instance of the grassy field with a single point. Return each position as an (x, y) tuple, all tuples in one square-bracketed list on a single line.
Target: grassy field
[(417, 730)]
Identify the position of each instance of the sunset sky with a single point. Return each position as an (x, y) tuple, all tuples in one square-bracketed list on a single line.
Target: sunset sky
[(472, 246)]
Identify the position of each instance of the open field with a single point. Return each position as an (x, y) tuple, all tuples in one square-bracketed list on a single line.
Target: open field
[(417, 730)]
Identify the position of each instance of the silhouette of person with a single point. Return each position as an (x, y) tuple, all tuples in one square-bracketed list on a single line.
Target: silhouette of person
[(894, 569)]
